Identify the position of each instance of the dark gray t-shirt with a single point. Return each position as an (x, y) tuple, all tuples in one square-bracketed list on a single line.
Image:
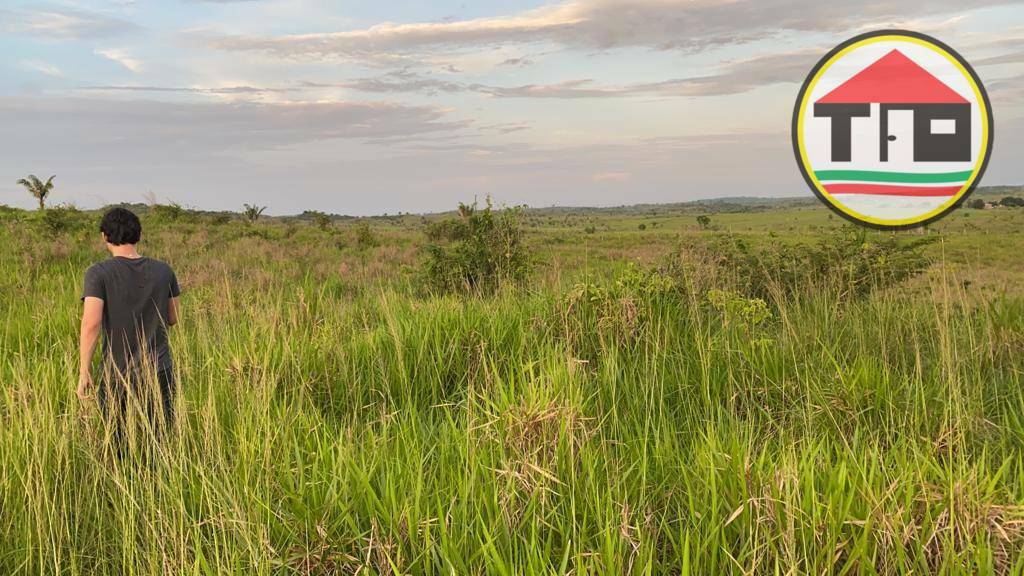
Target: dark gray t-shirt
[(136, 294)]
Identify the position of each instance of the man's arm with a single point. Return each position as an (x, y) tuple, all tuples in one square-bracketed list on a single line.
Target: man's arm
[(92, 321), (172, 312)]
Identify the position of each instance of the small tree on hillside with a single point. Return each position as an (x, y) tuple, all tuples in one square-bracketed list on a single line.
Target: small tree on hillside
[(704, 221), (253, 212), (37, 188)]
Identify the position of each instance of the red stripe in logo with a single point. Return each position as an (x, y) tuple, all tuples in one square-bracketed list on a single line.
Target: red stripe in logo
[(889, 190)]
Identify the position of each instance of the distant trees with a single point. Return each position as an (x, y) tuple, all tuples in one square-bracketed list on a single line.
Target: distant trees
[(1006, 202), (704, 221), (38, 188), (253, 212)]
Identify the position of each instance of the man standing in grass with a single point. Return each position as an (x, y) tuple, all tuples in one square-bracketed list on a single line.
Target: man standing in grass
[(134, 299)]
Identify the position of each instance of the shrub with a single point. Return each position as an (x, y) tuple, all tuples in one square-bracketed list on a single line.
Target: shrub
[(8, 213), (749, 313), (256, 232), (704, 221), (58, 220), (220, 219), (642, 227), (1012, 202), (320, 219), (171, 212), (847, 260), (365, 238), (478, 252), (445, 230), (977, 204), (598, 317)]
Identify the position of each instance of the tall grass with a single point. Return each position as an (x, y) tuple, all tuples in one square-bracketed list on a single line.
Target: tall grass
[(333, 421)]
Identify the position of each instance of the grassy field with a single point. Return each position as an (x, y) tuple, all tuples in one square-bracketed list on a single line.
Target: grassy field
[(614, 415)]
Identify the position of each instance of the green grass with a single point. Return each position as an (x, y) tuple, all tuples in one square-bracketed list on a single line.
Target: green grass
[(335, 420)]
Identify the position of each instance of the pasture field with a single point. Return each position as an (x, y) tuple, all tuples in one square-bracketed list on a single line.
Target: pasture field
[(637, 406)]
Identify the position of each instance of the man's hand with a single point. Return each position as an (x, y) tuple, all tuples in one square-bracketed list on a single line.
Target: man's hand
[(84, 386), (92, 320)]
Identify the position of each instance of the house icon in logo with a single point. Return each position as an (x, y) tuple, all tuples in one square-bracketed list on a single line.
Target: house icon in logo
[(919, 117)]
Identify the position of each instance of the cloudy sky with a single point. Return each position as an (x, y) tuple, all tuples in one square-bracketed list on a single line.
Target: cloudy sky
[(366, 107)]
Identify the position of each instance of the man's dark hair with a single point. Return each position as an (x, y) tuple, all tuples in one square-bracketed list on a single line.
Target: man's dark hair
[(121, 226)]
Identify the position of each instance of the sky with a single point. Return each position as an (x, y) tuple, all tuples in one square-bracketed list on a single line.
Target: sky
[(368, 107)]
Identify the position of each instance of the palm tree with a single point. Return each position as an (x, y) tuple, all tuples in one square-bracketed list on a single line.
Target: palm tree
[(253, 212), (36, 188)]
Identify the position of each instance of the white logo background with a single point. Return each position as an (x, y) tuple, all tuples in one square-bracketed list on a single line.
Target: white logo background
[(817, 131)]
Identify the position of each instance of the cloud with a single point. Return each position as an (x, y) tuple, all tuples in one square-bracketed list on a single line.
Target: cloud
[(212, 153), (219, 91), (521, 62), (396, 81), (741, 76), (121, 57), (1011, 58), (43, 68), (214, 127), (611, 176), (734, 78), (1008, 48), (64, 24), (316, 156), (601, 24), (1006, 91)]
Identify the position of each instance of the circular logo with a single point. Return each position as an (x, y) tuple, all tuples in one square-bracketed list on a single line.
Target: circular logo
[(892, 129)]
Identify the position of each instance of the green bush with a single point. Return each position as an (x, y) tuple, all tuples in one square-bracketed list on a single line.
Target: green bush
[(444, 230), (601, 317), (320, 219), (58, 220), (220, 219), (849, 260), (172, 212), (365, 238), (477, 252), (10, 214)]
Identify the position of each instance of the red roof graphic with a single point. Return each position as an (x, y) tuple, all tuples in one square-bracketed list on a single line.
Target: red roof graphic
[(893, 79)]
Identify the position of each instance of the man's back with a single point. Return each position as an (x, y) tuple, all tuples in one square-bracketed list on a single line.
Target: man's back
[(136, 293)]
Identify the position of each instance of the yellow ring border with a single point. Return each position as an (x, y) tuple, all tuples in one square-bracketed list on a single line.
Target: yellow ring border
[(981, 151)]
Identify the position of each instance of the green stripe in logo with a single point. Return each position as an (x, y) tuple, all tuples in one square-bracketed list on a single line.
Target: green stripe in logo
[(906, 177)]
